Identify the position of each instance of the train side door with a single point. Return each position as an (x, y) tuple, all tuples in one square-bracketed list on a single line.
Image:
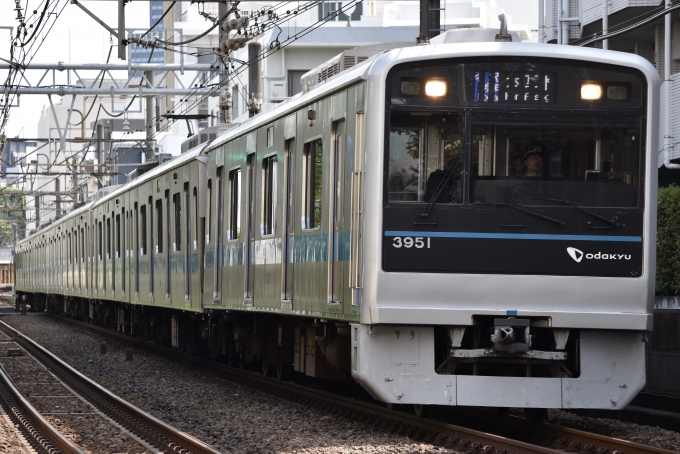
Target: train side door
[(250, 231), (337, 230), (288, 219)]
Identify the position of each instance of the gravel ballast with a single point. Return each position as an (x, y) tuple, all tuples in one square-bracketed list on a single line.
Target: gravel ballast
[(76, 419), (236, 419)]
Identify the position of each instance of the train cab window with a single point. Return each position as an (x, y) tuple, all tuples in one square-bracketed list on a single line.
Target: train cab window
[(553, 160), (159, 226), (234, 204), (426, 158), (177, 206), (142, 215), (312, 184), (269, 191)]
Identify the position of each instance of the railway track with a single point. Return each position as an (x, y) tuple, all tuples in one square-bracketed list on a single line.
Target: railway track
[(553, 439), (37, 431), (156, 433)]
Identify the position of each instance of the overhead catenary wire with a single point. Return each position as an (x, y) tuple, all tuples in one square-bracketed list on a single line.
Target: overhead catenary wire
[(268, 52), (189, 104), (159, 20), (196, 38), (656, 13)]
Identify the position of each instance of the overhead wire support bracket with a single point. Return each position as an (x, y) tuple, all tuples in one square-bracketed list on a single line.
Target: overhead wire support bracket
[(93, 16), (64, 133)]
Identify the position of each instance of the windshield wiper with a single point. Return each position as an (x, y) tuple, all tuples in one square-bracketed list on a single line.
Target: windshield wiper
[(611, 222), (519, 208), (440, 187)]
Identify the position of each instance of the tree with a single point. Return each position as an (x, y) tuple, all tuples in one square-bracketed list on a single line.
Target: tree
[(12, 216)]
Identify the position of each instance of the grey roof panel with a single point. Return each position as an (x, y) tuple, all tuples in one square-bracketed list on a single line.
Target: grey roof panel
[(359, 35)]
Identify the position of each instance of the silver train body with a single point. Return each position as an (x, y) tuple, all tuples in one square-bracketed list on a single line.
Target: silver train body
[(387, 225)]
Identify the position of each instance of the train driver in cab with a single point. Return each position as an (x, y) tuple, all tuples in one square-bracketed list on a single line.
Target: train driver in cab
[(533, 161)]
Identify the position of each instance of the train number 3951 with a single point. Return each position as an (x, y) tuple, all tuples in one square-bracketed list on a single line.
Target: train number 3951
[(418, 242)]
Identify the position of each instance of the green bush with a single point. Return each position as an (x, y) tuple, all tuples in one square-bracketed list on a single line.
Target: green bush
[(668, 241)]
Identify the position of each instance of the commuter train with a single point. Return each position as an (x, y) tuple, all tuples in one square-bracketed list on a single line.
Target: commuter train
[(448, 224)]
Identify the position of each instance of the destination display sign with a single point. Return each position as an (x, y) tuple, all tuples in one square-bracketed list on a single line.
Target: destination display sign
[(501, 87)]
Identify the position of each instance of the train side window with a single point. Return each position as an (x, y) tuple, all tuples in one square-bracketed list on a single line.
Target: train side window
[(150, 210), (117, 251), (177, 206), (100, 248), (312, 188), (142, 214), (208, 227), (269, 188), (234, 204), (159, 226), (108, 238)]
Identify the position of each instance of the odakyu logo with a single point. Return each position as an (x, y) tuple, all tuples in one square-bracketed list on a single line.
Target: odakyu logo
[(579, 255)]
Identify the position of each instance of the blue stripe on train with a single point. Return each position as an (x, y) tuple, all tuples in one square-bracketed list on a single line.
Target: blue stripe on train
[(515, 236)]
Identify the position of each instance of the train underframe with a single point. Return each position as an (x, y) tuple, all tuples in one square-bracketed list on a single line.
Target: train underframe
[(396, 364), (272, 344)]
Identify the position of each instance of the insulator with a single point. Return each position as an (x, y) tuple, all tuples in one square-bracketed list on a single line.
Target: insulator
[(224, 46), (234, 23)]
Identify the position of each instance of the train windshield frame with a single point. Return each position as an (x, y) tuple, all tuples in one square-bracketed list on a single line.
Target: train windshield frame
[(548, 153), (461, 149)]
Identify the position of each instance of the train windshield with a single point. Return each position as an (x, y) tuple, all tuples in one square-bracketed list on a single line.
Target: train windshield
[(515, 159), (547, 159), (426, 152)]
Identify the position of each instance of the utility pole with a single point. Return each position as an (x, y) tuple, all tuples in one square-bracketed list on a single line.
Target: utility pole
[(121, 30), (430, 20), (149, 120), (36, 199), (225, 95), (169, 57), (254, 78)]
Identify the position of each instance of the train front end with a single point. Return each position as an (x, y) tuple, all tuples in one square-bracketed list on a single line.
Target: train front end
[(509, 226)]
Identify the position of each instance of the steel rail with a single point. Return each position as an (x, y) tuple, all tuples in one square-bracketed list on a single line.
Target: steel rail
[(578, 440), (47, 430), (69, 374), (565, 438)]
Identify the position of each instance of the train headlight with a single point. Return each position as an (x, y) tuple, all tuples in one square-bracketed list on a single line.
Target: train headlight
[(591, 91), (435, 88)]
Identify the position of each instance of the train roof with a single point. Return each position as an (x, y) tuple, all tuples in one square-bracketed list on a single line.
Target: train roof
[(176, 162), (381, 63), (377, 66)]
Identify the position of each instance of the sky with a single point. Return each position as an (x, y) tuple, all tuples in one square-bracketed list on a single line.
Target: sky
[(75, 38)]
